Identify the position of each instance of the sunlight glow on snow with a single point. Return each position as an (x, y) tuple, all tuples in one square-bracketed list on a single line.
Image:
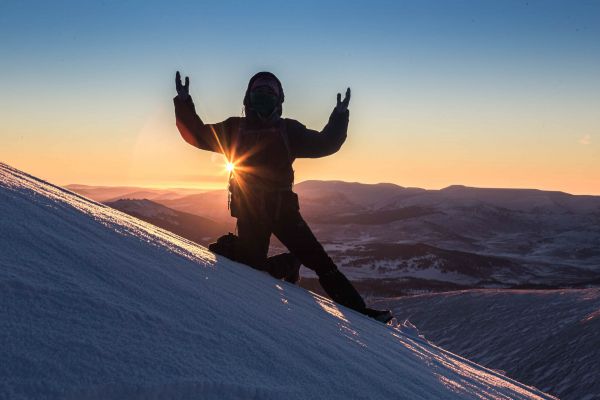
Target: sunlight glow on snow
[(115, 220), (468, 374), (345, 326), (330, 307), (594, 315)]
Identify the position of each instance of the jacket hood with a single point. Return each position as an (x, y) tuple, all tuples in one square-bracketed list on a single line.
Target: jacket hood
[(263, 74)]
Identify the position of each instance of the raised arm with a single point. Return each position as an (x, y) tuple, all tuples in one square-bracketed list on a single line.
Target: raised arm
[(212, 137), (308, 143)]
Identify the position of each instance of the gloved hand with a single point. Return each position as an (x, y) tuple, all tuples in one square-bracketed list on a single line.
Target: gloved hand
[(183, 91), (342, 106)]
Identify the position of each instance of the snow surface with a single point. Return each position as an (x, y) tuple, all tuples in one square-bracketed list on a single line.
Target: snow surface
[(98, 304), (546, 338)]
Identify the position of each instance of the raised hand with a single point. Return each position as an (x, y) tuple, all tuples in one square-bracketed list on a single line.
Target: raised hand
[(183, 91), (342, 105)]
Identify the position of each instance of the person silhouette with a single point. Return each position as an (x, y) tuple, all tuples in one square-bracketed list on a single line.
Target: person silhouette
[(261, 148)]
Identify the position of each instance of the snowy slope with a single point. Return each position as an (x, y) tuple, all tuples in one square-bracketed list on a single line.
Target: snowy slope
[(549, 338), (98, 304)]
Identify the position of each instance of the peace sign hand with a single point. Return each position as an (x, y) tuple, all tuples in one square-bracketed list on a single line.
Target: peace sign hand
[(342, 106), (183, 91)]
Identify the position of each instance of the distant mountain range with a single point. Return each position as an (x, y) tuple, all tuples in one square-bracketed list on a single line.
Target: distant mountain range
[(198, 229), (398, 240), (110, 193)]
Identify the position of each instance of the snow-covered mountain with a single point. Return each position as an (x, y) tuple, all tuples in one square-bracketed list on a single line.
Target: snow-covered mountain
[(469, 237), (349, 196), (546, 338), (193, 227), (98, 304), (400, 240), (112, 193)]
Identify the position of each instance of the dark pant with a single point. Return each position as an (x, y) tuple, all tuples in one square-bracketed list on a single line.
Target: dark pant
[(279, 214)]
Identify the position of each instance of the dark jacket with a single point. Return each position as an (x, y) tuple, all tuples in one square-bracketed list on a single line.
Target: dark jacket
[(263, 153), (222, 137)]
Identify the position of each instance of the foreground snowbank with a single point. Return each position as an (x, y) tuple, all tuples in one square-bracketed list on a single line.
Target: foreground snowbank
[(97, 304), (547, 338)]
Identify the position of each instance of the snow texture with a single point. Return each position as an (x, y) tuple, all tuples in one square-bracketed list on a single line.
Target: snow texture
[(546, 338), (97, 304)]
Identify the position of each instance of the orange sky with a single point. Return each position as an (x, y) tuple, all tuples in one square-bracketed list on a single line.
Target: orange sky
[(408, 152), (488, 94)]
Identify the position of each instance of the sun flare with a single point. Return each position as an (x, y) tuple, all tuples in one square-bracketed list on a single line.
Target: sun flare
[(229, 166)]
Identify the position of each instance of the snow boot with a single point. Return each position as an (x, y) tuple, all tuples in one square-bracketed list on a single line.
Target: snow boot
[(225, 246), (384, 316), (293, 275), (284, 266)]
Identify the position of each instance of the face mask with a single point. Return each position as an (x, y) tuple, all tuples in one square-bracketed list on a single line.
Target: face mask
[(263, 103)]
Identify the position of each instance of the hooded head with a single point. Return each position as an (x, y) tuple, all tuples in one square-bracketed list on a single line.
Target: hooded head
[(264, 96)]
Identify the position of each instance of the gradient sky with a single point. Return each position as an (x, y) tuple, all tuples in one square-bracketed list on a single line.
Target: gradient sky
[(480, 93)]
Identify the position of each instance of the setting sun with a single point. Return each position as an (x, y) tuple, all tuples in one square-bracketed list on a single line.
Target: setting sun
[(229, 166)]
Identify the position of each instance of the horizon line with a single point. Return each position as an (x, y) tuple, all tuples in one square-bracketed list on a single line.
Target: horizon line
[(207, 188)]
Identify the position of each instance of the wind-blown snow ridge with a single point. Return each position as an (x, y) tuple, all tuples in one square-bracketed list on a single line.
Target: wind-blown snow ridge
[(97, 304), (547, 338)]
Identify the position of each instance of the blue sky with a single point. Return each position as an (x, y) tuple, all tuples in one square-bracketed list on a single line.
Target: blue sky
[(432, 78)]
